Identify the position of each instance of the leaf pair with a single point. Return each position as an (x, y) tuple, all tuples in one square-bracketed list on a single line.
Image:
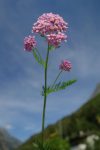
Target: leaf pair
[(57, 87)]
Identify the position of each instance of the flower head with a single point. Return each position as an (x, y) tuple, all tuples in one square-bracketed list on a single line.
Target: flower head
[(29, 43), (49, 23), (55, 39), (65, 65)]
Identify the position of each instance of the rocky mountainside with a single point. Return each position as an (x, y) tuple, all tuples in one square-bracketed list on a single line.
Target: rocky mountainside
[(96, 91), (7, 142), (79, 125)]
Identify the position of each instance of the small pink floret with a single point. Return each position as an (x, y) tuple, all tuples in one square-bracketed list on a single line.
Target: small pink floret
[(65, 65), (49, 23), (29, 43), (55, 39)]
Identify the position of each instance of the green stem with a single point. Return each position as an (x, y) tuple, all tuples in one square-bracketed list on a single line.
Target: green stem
[(45, 96), (56, 78)]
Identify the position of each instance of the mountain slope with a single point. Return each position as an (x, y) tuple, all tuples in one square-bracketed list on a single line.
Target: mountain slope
[(96, 91), (7, 142), (84, 122)]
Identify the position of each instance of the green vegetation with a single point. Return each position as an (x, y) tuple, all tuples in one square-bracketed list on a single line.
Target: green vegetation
[(57, 143), (85, 120)]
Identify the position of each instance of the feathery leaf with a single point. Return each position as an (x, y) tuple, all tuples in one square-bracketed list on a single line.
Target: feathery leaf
[(57, 87)]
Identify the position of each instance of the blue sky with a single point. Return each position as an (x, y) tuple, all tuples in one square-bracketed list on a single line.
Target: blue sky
[(21, 78)]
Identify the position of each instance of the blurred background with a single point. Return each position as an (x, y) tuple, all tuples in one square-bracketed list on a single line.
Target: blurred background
[(21, 78)]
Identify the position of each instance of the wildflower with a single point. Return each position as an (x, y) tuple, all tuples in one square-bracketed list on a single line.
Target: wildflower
[(29, 43), (65, 65), (49, 23), (55, 39)]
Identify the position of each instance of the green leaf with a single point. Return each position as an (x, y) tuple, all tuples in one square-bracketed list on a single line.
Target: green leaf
[(57, 87), (38, 57), (51, 47), (66, 84)]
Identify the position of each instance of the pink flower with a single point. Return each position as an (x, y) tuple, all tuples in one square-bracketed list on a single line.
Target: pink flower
[(29, 43), (56, 39), (65, 65), (49, 23)]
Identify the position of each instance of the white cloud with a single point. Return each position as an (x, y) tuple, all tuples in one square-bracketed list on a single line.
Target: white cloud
[(8, 126)]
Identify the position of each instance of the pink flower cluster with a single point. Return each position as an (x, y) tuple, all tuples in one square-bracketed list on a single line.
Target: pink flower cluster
[(56, 39), (52, 27), (29, 43), (65, 65), (49, 23)]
